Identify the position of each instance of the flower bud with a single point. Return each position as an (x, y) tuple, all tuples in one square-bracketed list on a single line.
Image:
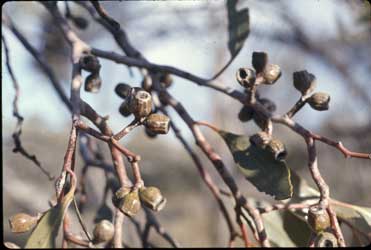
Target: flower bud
[(140, 103), (271, 73), (90, 63), (124, 109), (152, 198), (259, 61), (246, 77), (304, 81), (22, 222), (103, 231), (325, 239), (147, 83), (318, 218), (93, 83), (129, 204), (319, 101), (158, 123), (277, 149), (260, 139), (123, 90), (245, 114)]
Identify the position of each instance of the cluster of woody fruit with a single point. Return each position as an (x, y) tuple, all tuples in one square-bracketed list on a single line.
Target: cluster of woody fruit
[(268, 74), (138, 101), (128, 200), (305, 82)]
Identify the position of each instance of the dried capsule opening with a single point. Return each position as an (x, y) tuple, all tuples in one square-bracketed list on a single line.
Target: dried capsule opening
[(143, 95), (242, 73), (281, 155), (86, 59), (328, 243), (160, 205)]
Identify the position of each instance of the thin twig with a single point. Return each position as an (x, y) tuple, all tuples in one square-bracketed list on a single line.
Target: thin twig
[(81, 220), (18, 130), (103, 14), (135, 123), (159, 229), (204, 175)]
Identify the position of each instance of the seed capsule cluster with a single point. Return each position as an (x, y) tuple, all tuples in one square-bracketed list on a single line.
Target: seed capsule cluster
[(139, 103), (262, 73), (305, 83), (265, 73), (129, 201)]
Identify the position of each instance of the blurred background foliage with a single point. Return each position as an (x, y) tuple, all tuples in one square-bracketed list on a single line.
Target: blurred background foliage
[(330, 39)]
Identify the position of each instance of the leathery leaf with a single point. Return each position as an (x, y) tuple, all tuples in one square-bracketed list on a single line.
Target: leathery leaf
[(44, 234), (259, 167)]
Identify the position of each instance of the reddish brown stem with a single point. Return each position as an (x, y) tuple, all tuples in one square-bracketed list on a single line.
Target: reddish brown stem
[(245, 236)]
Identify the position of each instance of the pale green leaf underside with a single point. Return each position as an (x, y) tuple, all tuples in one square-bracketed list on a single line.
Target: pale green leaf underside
[(282, 227), (259, 167), (44, 234)]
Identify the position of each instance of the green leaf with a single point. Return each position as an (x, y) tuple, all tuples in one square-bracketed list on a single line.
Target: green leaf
[(283, 228), (260, 168), (238, 27), (44, 234)]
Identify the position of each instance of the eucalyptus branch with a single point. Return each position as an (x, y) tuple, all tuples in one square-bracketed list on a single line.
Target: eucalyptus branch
[(133, 58)]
